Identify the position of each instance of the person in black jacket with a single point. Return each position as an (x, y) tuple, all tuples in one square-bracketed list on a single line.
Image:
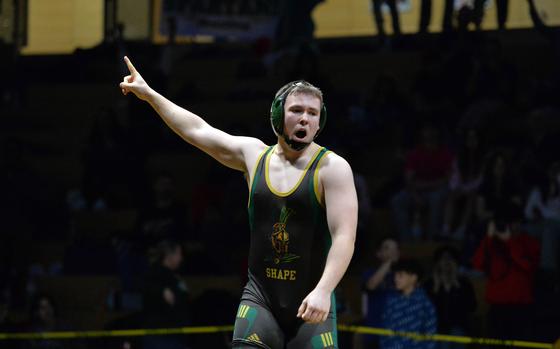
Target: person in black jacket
[(165, 295), (451, 293)]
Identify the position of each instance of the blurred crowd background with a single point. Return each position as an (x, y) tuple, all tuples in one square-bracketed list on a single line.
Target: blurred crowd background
[(110, 221)]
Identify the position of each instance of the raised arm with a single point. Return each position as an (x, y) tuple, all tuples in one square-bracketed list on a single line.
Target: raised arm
[(342, 215), (232, 151)]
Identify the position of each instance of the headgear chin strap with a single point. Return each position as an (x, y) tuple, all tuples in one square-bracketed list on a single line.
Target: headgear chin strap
[(295, 145)]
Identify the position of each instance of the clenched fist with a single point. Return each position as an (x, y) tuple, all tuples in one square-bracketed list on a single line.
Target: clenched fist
[(315, 307)]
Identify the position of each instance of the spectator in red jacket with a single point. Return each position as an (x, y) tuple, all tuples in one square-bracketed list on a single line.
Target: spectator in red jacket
[(427, 171), (510, 259)]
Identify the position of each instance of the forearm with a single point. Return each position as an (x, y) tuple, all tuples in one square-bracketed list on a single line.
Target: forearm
[(338, 259), (180, 120), (522, 259), (378, 276)]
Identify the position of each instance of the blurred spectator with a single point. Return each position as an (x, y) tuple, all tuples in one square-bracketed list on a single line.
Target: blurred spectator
[(164, 216), (465, 180), (386, 105), (44, 318), (552, 33), (542, 210), (543, 135), (29, 204), (106, 182), (408, 309), (166, 297), (377, 283), (426, 16), (378, 16), (501, 12), (493, 76), (464, 19), (6, 324), (427, 171), (452, 294), (209, 194), (499, 189), (510, 258), (295, 53), (295, 26)]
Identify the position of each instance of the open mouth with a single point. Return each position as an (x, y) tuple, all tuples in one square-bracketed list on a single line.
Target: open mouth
[(301, 134)]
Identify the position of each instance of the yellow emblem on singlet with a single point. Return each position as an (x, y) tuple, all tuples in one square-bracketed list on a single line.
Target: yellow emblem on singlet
[(280, 238)]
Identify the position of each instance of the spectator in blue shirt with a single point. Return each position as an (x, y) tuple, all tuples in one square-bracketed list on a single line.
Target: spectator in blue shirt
[(376, 284), (408, 309)]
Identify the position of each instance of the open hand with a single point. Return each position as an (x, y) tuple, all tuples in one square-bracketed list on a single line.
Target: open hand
[(315, 307), (134, 82)]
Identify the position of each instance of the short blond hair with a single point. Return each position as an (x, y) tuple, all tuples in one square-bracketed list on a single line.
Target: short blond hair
[(299, 87)]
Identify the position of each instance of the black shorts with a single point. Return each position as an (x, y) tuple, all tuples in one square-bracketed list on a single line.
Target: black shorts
[(257, 327)]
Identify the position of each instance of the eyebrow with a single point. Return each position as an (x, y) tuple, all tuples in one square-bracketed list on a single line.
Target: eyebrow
[(303, 107)]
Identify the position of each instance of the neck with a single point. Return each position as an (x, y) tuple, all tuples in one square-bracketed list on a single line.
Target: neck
[(290, 153), (408, 291), (295, 145)]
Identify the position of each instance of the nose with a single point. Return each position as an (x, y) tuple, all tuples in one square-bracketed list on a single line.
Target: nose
[(304, 118)]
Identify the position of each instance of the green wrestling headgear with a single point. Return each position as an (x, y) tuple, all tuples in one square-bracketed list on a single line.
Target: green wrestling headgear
[(277, 110)]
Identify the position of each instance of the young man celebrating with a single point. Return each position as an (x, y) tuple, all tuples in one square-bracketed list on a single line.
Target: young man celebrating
[(302, 210)]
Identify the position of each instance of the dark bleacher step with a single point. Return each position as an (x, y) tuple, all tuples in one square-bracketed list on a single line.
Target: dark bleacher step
[(100, 225)]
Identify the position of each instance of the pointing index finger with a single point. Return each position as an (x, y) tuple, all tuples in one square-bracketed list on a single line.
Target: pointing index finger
[(129, 65)]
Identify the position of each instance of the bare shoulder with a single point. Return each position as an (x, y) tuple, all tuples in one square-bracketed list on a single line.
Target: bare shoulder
[(252, 148), (336, 180), (251, 145), (335, 176), (335, 167)]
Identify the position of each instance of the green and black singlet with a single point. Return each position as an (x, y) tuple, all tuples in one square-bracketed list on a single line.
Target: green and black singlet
[(290, 240)]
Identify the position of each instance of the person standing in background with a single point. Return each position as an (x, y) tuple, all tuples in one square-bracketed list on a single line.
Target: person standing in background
[(452, 294), (377, 283), (510, 258)]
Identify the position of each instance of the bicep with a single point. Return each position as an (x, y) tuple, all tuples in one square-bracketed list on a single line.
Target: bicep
[(231, 151), (340, 197)]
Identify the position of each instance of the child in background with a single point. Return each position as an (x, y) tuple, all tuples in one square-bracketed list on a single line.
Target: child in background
[(408, 309)]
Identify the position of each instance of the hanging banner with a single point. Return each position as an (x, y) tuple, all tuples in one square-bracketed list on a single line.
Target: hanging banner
[(235, 20)]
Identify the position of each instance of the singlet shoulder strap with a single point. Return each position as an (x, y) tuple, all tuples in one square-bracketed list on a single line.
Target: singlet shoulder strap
[(258, 170), (315, 173)]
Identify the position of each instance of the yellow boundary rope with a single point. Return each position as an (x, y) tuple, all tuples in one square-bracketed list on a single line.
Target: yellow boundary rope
[(228, 328), (445, 338), (116, 333)]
